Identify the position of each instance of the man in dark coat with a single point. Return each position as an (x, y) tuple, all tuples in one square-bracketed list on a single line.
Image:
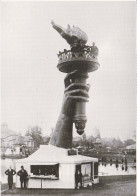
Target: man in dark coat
[(78, 178), (23, 176), (10, 172)]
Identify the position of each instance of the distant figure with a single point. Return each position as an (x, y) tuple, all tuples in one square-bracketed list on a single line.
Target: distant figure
[(117, 166), (20, 150), (122, 160), (126, 167), (39, 172), (134, 160), (125, 161), (14, 150), (45, 172), (78, 177), (110, 161), (23, 176), (10, 172), (122, 167), (23, 149), (27, 152), (116, 161)]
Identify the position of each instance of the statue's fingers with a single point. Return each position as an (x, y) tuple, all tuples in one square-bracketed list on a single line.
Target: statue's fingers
[(78, 98), (78, 92), (77, 86), (68, 77)]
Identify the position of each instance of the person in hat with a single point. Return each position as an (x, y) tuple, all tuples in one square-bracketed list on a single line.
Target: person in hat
[(10, 173), (23, 176)]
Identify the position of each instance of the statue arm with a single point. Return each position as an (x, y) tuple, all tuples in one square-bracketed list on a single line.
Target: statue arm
[(62, 135)]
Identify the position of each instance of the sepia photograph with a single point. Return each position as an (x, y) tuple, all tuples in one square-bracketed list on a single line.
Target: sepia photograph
[(68, 98)]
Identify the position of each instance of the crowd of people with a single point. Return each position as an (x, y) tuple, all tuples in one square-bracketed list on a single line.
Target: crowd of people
[(122, 162), (116, 160)]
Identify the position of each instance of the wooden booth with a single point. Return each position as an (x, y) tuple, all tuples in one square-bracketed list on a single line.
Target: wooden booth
[(52, 167)]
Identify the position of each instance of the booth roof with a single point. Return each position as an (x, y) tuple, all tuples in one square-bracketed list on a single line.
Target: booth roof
[(48, 154)]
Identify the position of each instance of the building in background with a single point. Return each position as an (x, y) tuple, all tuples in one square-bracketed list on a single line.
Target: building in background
[(131, 149), (17, 140), (29, 141)]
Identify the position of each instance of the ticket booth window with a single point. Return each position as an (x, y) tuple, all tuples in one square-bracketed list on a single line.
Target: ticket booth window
[(46, 170)]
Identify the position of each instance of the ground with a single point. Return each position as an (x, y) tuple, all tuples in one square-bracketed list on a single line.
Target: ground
[(121, 188)]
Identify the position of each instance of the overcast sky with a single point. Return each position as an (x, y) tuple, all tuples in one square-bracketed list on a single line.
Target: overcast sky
[(32, 86)]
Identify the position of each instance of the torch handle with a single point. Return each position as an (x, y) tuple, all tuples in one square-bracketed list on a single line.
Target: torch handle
[(79, 117)]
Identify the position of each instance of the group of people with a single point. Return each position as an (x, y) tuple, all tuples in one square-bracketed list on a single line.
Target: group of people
[(23, 177), (22, 173), (117, 161), (24, 150)]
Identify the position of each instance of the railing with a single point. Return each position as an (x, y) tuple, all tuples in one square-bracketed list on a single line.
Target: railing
[(69, 55)]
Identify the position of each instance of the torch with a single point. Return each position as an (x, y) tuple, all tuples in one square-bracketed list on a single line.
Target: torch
[(84, 60), (80, 57)]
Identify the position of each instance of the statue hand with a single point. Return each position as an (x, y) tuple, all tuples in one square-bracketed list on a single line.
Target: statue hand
[(73, 92), (62, 135)]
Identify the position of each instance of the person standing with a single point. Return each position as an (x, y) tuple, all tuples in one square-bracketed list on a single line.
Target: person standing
[(122, 161), (125, 161), (78, 178), (23, 176), (10, 173), (116, 161)]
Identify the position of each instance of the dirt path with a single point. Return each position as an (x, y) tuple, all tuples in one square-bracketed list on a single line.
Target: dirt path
[(126, 188)]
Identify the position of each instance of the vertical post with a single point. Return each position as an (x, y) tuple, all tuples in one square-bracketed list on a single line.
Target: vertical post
[(93, 170)]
